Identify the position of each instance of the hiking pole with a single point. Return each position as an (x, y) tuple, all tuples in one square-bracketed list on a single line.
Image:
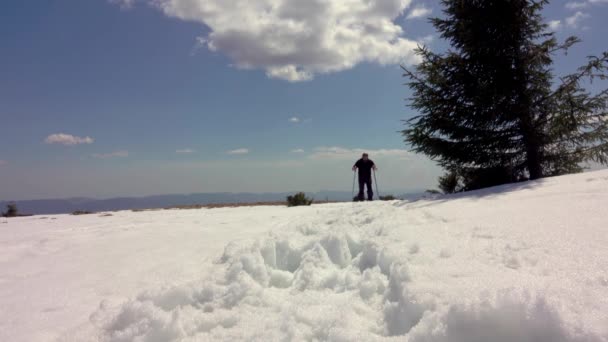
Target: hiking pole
[(376, 181), (354, 176)]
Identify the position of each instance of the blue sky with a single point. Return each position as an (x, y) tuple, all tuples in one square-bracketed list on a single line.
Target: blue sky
[(118, 98)]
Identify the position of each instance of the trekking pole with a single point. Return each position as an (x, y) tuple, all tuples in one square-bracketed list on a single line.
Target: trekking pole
[(376, 181), (354, 176)]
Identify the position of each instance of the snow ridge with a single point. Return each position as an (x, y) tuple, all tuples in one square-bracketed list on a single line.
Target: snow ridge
[(327, 281)]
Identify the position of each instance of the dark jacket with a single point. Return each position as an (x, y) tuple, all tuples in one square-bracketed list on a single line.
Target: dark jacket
[(365, 168)]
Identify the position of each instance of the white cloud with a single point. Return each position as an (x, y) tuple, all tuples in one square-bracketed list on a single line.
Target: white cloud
[(575, 20), (3, 162), (336, 152), (294, 119), (185, 151), (239, 151), (298, 150), (555, 25), (576, 5), (124, 4), (67, 139), (427, 39), (573, 5), (295, 40), (419, 12), (117, 154)]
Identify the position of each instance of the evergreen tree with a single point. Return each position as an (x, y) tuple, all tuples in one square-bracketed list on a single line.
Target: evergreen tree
[(488, 113)]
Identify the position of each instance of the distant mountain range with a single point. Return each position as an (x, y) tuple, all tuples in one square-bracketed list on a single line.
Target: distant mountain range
[(69, 205)]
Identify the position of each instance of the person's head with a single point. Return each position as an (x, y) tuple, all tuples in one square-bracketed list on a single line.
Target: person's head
[(365, 156)]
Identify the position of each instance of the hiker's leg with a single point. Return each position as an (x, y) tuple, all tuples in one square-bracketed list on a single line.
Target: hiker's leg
[(361, 185), (370, 192)]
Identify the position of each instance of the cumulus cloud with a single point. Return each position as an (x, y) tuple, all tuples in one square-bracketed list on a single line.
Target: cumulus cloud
[(295, 40), (185, 151), (298, 150), (555, 25), (239, 151), (67, 139), (117, 154), (294, 119), (574, 21), (419, 12), (336, 152)]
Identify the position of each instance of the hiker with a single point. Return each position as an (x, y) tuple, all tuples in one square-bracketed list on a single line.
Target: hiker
[(365, 166)]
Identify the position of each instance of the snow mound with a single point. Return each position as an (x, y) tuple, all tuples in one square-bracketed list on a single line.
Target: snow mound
[(323, 282)]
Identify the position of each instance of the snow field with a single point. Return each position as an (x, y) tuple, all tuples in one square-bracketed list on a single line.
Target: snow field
[(331, 280), (524, 262)]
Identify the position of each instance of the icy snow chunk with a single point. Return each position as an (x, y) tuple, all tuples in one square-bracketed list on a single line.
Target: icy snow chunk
[(354, 244), (280, 279), (372, 283), (385, 260), (269, 253), (287, 258), (337, 249), (314, 268), (368, 258)]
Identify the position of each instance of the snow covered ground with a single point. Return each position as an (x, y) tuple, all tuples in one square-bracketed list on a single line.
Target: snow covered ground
[(524, 262)]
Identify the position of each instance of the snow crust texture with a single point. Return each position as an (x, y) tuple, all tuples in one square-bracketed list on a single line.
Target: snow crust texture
[(329, 281)]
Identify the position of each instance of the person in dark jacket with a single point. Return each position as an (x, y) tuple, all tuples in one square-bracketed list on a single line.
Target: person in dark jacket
[(365, 167)]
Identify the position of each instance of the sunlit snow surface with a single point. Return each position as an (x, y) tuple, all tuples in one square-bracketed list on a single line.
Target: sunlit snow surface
[(524, 262)]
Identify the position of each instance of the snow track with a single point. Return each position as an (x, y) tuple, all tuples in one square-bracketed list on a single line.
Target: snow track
[(329, 280)]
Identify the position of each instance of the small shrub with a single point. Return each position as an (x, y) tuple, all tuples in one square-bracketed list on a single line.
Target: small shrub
[(298, 200), (82, 212), (11, 210), (450, 183), (433, 192), (387, 198)]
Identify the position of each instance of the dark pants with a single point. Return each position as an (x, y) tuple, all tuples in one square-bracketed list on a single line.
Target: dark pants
[(362, 183)]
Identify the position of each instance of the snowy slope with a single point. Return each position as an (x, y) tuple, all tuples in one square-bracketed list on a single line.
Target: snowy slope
[(524, 262)]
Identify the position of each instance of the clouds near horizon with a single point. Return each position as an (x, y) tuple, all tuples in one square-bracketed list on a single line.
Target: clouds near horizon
[(238, 151), (185, 151), (336, 152), (117, 154), (67, 139)]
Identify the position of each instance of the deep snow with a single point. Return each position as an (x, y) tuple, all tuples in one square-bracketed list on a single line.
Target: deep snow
[(524, 262)]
